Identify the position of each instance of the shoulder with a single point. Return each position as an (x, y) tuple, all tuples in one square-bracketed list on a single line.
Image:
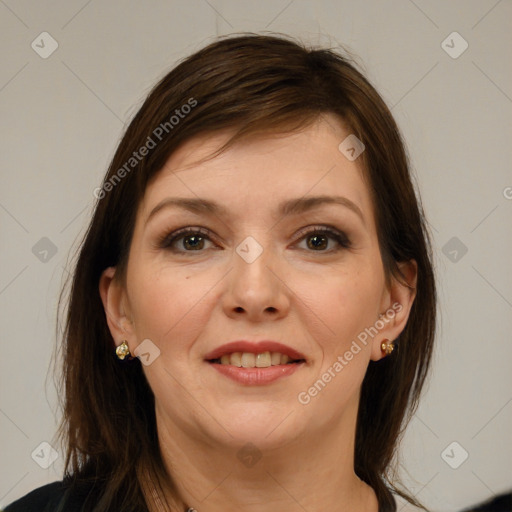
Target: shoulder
[(39, 499), (51, 497)]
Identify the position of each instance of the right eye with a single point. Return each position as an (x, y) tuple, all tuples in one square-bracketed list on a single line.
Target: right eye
[(192, 239)]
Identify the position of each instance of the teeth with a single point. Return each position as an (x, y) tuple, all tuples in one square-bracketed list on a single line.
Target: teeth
[(235, 359), (275, 358), (263, 360), (250, 360)]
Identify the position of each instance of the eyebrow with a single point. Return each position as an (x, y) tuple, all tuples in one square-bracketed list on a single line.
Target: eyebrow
[(286, 208)]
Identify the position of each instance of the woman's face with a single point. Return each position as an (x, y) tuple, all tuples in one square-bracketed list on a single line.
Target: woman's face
[(260, 269)]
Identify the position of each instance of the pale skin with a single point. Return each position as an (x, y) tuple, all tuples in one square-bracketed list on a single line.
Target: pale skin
[(316, 300)]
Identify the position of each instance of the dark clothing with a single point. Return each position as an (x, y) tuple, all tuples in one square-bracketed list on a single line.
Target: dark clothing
[(57, 497), (502, 503), (54, 497)]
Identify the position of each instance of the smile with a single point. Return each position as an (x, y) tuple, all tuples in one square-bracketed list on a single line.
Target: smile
[(251, 360), (252, 369)]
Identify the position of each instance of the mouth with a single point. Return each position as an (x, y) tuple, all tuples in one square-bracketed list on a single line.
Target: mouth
[(247, 354), (253, 360), (252, 363)]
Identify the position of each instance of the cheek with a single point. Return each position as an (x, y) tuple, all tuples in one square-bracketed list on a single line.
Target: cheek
[(347, 307), (168, 305), (348, 304)]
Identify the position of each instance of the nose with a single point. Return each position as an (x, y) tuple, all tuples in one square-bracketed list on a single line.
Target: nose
[(255, 288)]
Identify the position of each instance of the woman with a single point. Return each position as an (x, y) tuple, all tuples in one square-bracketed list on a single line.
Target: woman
[(252, 312)]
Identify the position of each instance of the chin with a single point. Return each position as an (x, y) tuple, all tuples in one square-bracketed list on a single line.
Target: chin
[(267, 426)]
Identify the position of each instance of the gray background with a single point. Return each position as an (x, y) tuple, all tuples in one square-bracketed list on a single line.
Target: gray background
[(62, 117)]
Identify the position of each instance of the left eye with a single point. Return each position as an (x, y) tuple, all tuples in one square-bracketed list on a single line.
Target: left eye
[(320, 236), (194, 238)]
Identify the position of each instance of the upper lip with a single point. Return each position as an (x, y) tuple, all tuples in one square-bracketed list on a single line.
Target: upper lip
[(254, 347)]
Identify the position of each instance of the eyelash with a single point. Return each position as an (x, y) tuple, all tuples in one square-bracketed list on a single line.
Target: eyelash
[(166, 241)]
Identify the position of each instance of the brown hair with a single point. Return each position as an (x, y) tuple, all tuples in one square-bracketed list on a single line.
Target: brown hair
[(253, 84)]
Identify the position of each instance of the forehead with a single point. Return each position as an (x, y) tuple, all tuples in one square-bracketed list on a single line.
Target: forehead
[(258, 173)]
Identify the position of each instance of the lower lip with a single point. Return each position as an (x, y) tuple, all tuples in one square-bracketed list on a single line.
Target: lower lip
[(256, 376)]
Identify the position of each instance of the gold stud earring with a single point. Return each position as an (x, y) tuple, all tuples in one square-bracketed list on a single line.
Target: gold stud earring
[(123, 350), (387, 346)]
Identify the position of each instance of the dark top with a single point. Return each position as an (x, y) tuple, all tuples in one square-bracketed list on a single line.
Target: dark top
[(501, 503), (56, 497), (61, 497)]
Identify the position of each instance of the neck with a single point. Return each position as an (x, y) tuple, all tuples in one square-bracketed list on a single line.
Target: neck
[(311, 473)]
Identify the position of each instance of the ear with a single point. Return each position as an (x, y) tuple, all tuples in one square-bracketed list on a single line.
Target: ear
[(395, 305), (115, 305)]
